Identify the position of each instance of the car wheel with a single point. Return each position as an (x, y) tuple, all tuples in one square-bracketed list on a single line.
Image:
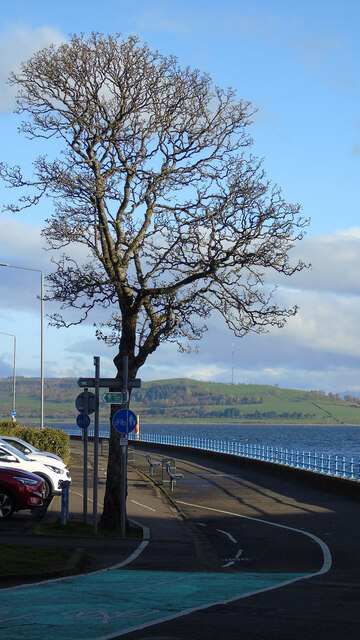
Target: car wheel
[(7, 504), (47, 492)]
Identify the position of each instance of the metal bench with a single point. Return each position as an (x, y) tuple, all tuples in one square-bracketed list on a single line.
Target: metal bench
[(173, 476), (152, 463)]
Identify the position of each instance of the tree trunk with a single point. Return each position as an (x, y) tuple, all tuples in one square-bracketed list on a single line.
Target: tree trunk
[(110, 519)]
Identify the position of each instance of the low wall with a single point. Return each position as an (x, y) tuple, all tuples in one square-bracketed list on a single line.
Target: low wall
[(322, 481)]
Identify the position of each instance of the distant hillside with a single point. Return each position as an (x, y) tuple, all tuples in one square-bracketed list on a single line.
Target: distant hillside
[(186, 400)]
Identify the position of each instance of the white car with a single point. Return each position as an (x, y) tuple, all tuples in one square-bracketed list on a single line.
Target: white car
[(48, 469), (30, 450)]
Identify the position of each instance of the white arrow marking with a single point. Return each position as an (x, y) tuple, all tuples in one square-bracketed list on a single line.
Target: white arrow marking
[(228, 535)]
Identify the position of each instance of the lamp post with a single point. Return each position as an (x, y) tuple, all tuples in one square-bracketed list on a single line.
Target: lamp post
[(13, 413), (12, 266)]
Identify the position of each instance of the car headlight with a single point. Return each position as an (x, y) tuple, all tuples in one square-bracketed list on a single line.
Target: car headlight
[(55, 469), (26, 480)]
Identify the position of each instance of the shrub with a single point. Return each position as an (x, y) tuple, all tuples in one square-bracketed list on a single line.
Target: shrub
[(47, 439)]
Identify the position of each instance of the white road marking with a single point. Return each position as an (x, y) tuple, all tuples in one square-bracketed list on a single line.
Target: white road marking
[(228, 535), (233, 560), (81, 496), (143, 505), (327, 560), (137, 552)]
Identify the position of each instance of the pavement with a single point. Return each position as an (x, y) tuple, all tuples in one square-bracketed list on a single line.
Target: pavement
[(233, 551), (144, 499)]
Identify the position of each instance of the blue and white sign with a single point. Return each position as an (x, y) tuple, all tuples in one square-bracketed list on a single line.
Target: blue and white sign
[(124, 421), (83, 420)]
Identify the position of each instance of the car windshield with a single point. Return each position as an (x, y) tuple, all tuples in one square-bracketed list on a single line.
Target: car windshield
[(10, 449), (19, 444)]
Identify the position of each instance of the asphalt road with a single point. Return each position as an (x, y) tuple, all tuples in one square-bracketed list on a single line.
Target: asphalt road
[(255, 522), (234, 552)]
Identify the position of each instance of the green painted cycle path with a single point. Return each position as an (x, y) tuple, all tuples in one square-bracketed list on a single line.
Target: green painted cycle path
[(110, 603)]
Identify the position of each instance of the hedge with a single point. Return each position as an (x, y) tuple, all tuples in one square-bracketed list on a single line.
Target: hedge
[(47, 439)]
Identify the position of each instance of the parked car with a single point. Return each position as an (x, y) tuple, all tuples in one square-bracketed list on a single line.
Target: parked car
[(19, 490), (50, 470), (29, 449)]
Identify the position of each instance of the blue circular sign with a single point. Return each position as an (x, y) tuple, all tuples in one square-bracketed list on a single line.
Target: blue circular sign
[(83, 420), (124, 421)]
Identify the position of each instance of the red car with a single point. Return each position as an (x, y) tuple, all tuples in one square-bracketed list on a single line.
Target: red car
[(19, 490)]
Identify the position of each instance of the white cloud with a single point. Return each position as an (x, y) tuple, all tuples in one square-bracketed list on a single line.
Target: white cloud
[(20, 241), (21, 244), (6, 370), (335, 264), (319, 348), (181, 366), (326, 323), (17, 44)]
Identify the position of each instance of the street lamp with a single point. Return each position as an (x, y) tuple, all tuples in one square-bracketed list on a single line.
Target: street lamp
[(13, 413), (4, 264)]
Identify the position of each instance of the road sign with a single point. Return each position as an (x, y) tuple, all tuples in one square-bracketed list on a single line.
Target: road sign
[(80, 402), (83, 420), (114, 398), (124, 421), (113, 383), (13, 413)]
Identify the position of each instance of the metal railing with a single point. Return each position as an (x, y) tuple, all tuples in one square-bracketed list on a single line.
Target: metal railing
[(334, 465), (328, 464)]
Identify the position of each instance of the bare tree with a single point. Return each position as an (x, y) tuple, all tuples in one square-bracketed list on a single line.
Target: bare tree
[(154, 177)]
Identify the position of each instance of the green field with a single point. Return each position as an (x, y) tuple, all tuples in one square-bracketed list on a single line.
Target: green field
[(186, 400)]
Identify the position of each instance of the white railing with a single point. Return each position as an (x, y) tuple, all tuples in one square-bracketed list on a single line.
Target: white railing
[(328, 464)]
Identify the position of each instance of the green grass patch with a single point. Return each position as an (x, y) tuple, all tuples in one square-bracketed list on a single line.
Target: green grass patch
[(71, 528), (76, 529), (23, 559), (181, 400)]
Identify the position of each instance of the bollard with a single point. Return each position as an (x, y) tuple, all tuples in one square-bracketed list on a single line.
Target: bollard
[(65, 487), (131, 454)]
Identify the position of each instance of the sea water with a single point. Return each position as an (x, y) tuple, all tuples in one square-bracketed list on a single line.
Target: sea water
[(333, 440)]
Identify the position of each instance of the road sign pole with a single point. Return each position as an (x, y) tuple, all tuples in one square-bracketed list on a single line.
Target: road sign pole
[(85, 475), (85, 481), (96, 442), (123, 483)]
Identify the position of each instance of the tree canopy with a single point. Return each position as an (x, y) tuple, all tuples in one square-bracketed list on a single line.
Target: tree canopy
[(153, 181)]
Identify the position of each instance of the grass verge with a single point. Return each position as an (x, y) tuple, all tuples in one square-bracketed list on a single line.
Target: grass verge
[(71, 529), (21, 559), (82, 529)]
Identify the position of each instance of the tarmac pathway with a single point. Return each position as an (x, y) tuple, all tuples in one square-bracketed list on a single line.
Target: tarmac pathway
[(242, 535)]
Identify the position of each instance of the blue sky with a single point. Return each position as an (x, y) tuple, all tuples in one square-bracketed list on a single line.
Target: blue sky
[(299, 64)]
